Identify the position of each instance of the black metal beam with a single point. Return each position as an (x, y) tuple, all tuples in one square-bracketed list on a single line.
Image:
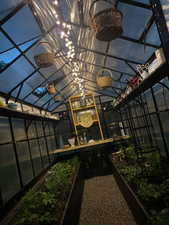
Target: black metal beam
[(161, 26), (110, 56), (13, 12), (21, 43), (160, 123), (57, 93), (63, 102), (146, 29), (136, 3), (20, 83), (121, 37), (15, 59), (42, 83), (113, 70)]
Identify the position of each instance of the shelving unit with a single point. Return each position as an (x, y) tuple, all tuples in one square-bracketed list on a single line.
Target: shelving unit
[(84, 113), (154, 78)]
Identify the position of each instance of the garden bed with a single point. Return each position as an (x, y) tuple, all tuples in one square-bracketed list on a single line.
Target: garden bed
[(144, 183), (48, 202)]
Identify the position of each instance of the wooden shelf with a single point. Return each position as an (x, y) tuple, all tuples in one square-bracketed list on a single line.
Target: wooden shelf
[(4, 111), (83, 107), (93, 116), (152, 79), (78, 124)]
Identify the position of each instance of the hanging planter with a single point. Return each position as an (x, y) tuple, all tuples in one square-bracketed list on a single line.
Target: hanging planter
[(104, 80), (46, 57), (51, 89), (106, 23)]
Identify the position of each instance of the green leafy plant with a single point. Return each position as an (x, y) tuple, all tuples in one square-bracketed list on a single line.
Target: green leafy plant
[(131, 173), (44, 205), (147, 191)]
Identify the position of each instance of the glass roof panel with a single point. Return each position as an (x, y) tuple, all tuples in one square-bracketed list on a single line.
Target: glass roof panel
[(15, 74), (153, 36), (9, 56), (4, 43), (26, 45), (130, 51), (134, 19), (27, 30), (7, 6)]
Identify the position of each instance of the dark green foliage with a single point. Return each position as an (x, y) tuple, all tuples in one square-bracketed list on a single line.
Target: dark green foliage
[(161, 218), (144, 172), (45, 205), (147, 191), (131, 173)]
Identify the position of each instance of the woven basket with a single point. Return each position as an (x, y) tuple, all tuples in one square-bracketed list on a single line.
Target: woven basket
[(104, 81), (51, 89), (107, 23), (44, 59)]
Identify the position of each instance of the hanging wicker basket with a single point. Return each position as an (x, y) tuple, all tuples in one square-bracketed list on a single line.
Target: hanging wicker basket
[(45, 59), (51, 89), (107, 23), (104, 81)]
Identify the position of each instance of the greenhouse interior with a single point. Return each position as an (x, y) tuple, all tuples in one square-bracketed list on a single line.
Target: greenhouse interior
[(84, 112)]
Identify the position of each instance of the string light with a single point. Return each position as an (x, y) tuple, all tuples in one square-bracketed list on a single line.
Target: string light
[(55, 2), (70, 55)]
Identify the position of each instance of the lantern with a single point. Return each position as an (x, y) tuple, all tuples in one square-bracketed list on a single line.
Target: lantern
[(44, 56), (106, 23), (104, 78)]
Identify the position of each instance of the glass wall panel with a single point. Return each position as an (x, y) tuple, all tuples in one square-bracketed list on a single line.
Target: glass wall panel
[(165, 123), (36, 156), (31, 130), (24, 162), (44, 152), (19, 129), (39, 128), (9, 180), (157, 134), (5, 135)]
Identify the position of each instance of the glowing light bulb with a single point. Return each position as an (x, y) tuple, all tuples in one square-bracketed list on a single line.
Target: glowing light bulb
[(55, 2), (58, 22)]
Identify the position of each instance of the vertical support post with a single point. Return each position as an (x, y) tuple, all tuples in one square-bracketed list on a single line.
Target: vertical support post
[(122, 121), (15, 152), (161, 26), (29, 148), (146, 121), (131, 126), (37, 137), (160, 124), (103, 117), (43, 126)]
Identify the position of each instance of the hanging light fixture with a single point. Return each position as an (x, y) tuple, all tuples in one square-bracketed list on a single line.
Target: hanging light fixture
[(106, 23)]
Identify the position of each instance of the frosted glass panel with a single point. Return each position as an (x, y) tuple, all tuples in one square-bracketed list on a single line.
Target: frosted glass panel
[(9, 180), (36, 156), (5, 135), (24, 162)]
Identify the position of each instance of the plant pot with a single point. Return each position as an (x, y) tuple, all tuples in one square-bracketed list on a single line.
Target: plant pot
[(12, 105)]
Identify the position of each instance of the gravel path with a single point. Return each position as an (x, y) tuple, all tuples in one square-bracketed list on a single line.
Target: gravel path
[(103, 203)]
